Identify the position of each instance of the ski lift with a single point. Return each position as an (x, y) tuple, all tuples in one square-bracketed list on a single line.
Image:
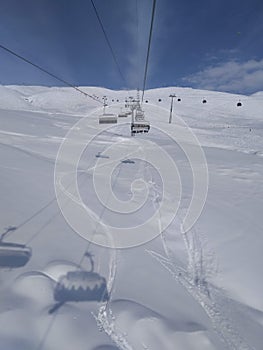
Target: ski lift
[(125, 113), (140, 127), (204, 101), (239, 104), (139, 124), (14, 255), (122, 115), (81, 285), (108, 118)]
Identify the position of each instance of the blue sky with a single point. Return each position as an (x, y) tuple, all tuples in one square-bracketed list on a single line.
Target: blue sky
[(209, 44)]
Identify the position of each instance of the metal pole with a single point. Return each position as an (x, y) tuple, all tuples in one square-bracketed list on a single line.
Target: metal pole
[(132, 108), (171, 109), (104, 103)]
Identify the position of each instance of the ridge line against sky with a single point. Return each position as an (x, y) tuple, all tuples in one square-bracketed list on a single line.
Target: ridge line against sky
[(213, 45)]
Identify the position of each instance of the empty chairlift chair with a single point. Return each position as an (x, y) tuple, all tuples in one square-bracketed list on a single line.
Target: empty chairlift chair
[(13, 255), (124, 113), (108, 119)]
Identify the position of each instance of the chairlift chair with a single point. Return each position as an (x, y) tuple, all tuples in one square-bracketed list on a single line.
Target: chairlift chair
[(122, 115), (14, 255), (108, 119), (139, 125)]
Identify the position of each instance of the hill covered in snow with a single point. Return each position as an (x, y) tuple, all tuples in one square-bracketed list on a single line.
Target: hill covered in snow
[(200, 289)]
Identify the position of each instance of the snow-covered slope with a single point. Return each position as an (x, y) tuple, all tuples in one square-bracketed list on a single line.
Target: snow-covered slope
[(196, 290)]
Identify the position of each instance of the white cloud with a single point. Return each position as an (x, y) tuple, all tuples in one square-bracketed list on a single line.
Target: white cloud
[(231, 76)]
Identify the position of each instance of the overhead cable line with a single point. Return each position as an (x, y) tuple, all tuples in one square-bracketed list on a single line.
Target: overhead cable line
[(149, 48), (47, 72), (137, 45), (108, 42)]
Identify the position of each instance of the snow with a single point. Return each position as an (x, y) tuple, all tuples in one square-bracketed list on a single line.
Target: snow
[(196, 290)]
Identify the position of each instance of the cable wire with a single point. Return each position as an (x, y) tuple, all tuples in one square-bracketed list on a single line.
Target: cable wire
[(47, 72), (149, 48), (108, 42), (137, 44)]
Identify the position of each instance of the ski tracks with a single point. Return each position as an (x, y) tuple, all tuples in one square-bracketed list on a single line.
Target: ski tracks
[(201, 264)]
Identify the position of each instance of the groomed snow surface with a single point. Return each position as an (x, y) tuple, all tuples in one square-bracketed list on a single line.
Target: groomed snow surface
[(200, 290)]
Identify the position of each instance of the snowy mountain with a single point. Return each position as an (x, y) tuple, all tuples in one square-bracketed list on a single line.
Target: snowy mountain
[(199, 289)]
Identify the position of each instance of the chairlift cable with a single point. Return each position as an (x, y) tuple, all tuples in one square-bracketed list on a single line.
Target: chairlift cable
[(137, 45), (108, 41), (47, 72), (39, 211), (148, 49)]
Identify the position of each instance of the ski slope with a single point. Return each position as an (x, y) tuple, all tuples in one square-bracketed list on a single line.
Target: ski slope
[(196, 290)]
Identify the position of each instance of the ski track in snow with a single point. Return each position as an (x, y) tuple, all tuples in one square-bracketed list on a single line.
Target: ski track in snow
[(194, 280)]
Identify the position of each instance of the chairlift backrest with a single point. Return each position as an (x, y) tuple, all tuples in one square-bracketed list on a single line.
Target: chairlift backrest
[(108, 119), (13, 255)]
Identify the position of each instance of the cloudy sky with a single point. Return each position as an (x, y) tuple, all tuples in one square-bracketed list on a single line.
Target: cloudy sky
[(208, 44)]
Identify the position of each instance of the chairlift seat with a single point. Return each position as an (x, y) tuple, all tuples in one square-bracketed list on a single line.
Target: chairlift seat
[(122, 115), (13, 255), (140, 127), (108, 119)]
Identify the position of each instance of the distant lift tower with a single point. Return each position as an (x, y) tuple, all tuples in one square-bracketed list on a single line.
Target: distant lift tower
[(171, 109)]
